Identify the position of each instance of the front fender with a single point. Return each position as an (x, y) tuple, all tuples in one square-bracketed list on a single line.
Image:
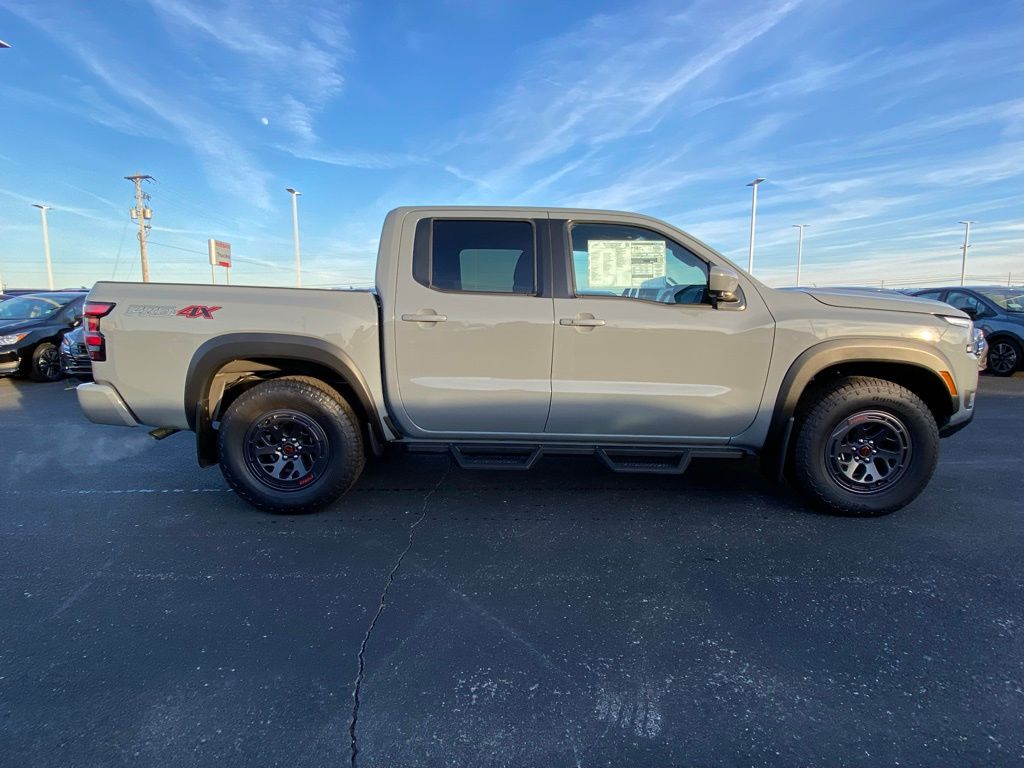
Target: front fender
[(828, 354)]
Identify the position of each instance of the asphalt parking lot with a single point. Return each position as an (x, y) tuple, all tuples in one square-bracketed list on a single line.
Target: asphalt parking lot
[(565, 616)]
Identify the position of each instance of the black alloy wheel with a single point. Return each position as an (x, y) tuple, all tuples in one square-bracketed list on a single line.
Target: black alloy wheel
[(286, 450), (45, 363), (1003, 357), (868, 451)]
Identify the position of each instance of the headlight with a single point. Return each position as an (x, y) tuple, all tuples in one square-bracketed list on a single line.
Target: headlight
[(10, 340), (963, 322), (978, 343)]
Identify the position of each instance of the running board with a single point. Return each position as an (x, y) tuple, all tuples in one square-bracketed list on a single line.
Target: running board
[(495, 456), (644, 460), (651, 459)]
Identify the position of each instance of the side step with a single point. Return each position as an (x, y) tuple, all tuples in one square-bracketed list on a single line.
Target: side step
[(644, 460), (495, 456)]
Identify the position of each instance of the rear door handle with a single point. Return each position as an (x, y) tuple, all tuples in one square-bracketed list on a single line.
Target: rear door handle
[(586, 322), (425, 318)]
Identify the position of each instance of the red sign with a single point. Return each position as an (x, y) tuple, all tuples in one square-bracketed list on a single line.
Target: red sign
[(220, 253)]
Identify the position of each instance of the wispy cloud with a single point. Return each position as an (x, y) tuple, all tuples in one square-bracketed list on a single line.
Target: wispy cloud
[(84, 101), (230, 167), (355, 159), (74, 210), (289, 59), (587, 89)]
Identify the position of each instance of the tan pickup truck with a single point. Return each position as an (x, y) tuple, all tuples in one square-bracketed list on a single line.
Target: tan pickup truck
[(504, 334)]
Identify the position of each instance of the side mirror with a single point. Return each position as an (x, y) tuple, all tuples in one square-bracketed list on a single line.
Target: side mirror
[(723, 282), (970, 312)]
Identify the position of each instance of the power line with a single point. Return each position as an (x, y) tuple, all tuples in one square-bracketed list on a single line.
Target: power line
[(120, 245)]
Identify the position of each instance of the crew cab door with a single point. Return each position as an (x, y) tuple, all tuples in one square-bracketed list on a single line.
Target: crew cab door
[(641, 349), (473, 328)]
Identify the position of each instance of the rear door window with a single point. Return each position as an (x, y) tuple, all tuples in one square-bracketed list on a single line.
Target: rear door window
[(482, 256)]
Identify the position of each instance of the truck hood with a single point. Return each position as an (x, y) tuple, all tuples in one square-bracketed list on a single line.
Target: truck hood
[(892, 302)]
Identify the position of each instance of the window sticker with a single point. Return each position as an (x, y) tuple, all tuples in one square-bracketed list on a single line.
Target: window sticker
[(624, 263)]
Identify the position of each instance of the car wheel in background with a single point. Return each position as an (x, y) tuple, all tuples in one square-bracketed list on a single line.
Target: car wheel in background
[(290, 445), (45, 363), (1003, 356), (865, 447)]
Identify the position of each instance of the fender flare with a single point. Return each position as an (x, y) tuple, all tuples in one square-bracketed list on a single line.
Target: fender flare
[(813, 360), (217, 352)]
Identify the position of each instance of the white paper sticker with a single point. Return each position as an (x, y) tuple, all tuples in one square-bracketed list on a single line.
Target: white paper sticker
[(624, 263)]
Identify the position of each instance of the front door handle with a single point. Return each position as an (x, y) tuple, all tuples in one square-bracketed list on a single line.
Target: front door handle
[(585, 322), (426, 317)]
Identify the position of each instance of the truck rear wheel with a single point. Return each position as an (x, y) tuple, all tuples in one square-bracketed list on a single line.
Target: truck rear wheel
[(865, 447), (290, 445)]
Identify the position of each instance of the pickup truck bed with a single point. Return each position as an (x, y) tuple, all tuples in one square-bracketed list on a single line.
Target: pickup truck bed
[(180, 335)]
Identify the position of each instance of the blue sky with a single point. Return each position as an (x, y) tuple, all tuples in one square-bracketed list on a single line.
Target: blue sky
[(880, 124)]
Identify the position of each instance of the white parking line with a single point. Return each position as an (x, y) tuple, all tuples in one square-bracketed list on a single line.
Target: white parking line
[(100, 491)]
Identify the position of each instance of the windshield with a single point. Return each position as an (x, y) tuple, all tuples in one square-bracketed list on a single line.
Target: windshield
[(1010, 299), (28, 308)]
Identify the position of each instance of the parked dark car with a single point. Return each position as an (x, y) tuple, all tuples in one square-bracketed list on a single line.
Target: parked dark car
[(999, 311), (74, 355), (31, 329)]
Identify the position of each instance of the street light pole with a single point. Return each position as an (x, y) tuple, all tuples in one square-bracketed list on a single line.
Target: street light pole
[(46, 243), (967, 244), (295, 234), (753, 223), (799, 251)]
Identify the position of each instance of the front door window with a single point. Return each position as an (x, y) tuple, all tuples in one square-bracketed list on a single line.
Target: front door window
[(625, 261)]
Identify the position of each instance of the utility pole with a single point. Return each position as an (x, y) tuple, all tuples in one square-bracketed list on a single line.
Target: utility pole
[(295, 234), (143, 214), (967, 244), (46, 243), (753, 223), (799, 251)]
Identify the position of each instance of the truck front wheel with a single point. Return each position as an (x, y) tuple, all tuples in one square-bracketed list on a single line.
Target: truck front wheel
[(865, 446), (290, 445)]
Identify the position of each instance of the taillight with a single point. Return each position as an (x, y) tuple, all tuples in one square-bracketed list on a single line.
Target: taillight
[(94, 340)]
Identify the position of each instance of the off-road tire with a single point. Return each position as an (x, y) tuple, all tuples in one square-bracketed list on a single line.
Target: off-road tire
[(41, 368), (314, 403), (1013, 349), (825, 415)]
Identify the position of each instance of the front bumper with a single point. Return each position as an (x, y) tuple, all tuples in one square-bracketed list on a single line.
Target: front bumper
[(963, 415), (952, 427), (102, 404), (9, 361)]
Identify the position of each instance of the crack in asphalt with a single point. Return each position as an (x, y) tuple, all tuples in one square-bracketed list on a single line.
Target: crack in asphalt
[(380, 609)]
